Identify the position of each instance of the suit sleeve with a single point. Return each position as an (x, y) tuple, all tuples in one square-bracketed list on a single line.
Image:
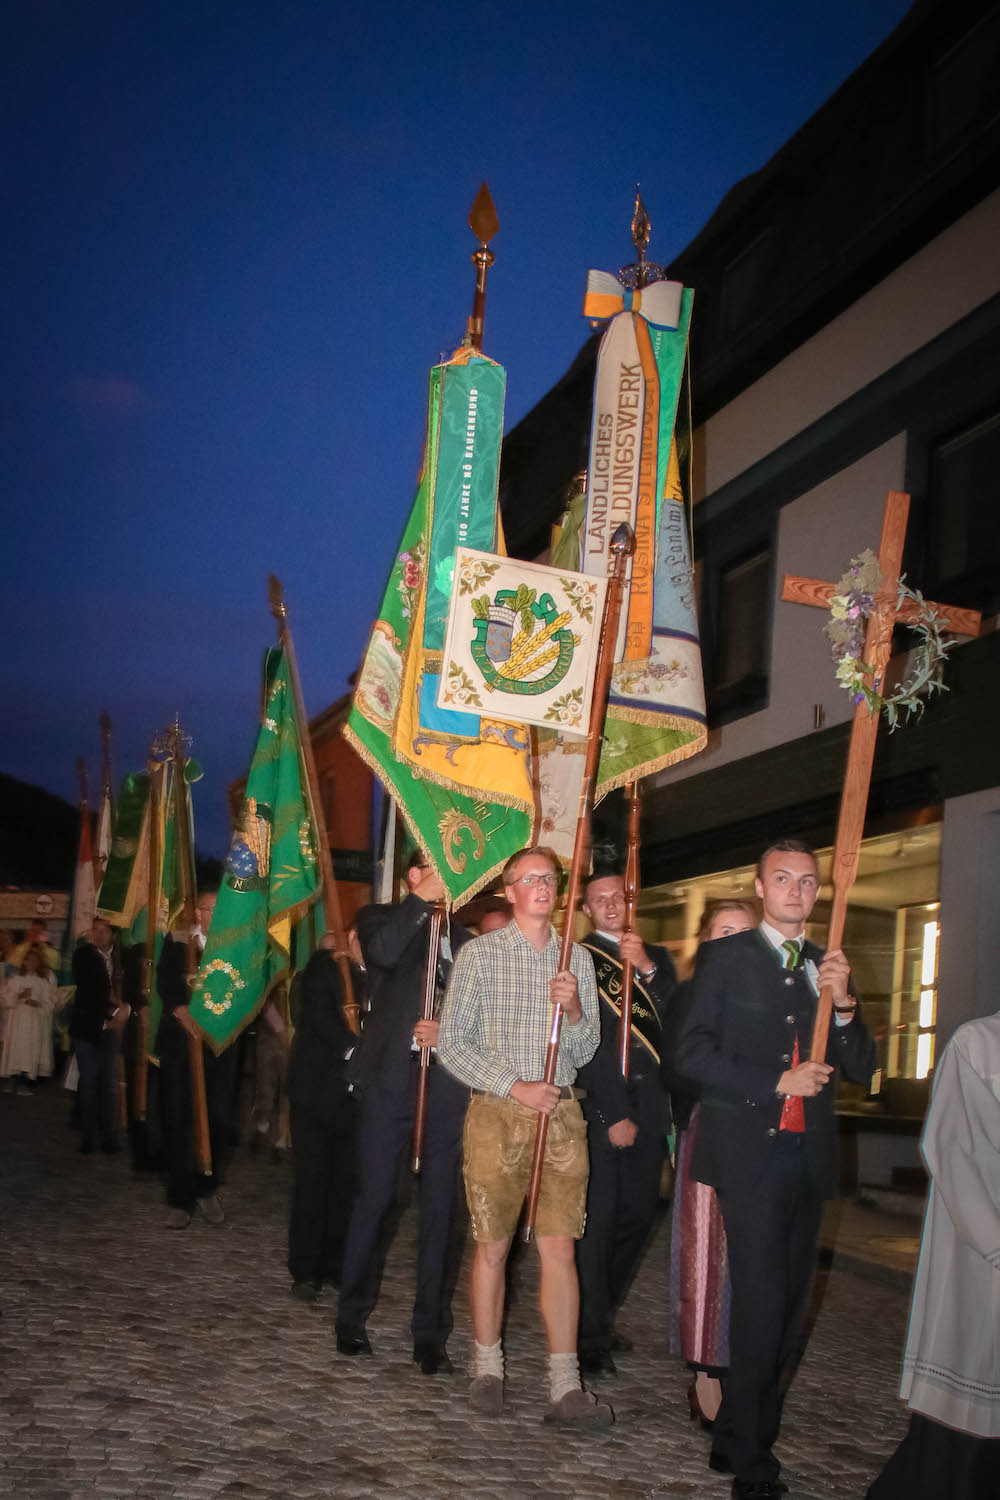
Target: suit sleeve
[(701, 1050), (385, 932), (851, 1049)]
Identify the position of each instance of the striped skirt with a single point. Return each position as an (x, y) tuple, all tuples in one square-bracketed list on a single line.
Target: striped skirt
[(699, 1271)]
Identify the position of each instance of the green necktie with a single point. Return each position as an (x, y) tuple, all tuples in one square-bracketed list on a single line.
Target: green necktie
[(794, 952)]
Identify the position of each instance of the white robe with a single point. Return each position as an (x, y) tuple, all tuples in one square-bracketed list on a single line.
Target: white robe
[(951, 1368), (27, 1026)]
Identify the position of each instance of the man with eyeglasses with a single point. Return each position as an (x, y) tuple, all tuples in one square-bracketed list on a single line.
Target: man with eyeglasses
[(627, 1120), (495, 1028)]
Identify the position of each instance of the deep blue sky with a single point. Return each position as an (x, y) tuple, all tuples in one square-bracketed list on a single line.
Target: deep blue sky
[(235, 241)]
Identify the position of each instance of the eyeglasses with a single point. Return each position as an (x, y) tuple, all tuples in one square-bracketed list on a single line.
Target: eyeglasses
[(550, 880)]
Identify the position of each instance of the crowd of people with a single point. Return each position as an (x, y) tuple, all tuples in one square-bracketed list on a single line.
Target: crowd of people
[(718, 1079)]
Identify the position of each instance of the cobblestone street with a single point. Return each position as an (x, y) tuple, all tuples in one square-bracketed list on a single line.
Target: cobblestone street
[(139, 1361)]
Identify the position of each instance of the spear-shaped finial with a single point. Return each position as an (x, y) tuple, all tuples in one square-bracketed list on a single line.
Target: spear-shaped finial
[(642, 271), (81, 776), (276, 597), (484, 224)]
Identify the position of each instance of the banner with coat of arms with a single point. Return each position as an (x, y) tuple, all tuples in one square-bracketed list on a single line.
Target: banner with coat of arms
[(271, 877), (522, 641), (459, 773)]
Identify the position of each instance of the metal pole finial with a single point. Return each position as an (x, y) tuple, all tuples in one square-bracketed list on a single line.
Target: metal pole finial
[(623, 540), (484, 224), (642, 271), (276, 596)]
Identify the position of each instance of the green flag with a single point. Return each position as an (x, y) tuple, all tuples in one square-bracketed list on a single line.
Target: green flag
[(271, 876), (461, 780), (124, 889)]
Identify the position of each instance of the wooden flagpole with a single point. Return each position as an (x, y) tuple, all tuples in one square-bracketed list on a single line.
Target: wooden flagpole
[(182, 832), (156, 772), (331, 896), (631, 892), (622, 544), (426, 1014)]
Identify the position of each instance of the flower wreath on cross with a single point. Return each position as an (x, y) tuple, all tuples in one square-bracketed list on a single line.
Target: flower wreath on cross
[(851, 607)]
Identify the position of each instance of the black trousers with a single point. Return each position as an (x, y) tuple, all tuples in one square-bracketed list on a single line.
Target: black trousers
[(934, 1460), (185, 1182), (98, 1063), (385, 1135), (623, 1194), (772, 1227), (323, 1148)]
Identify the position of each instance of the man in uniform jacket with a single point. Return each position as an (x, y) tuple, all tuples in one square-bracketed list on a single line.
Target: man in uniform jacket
[(394, 942), (323, 1126), (627, 1121), (767, 1139)]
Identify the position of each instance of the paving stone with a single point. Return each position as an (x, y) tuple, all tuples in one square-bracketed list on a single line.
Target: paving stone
[(138, 1362)]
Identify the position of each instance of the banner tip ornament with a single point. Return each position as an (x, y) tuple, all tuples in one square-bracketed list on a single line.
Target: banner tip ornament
[(484, 223)]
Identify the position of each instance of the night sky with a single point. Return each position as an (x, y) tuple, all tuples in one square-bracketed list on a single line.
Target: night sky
[(235, 240)]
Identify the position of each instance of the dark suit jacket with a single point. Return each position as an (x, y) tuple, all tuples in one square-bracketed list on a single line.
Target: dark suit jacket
[(394, 943), (92, 1003), (642, 1098), (736, 1042), (173, 990), (316, 1067)]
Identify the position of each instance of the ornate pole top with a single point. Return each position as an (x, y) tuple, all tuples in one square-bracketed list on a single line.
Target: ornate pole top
[(105, 722), (622, 543), (642, 271), (484, 224), (276, 597)]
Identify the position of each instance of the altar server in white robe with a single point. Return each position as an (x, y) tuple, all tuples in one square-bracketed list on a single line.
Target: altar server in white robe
[(27, 999), (951, 1367)]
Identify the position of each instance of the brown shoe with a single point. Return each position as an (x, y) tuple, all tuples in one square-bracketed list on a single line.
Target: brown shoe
[(211, 1209), (486, 1395), (580, 1407)]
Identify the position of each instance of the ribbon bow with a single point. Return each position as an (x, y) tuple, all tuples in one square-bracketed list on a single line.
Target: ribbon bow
[(659, 303)]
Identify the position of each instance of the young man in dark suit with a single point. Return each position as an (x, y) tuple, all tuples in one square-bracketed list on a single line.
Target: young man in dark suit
[(767, 1139), (627, 1121), (385, 1067)]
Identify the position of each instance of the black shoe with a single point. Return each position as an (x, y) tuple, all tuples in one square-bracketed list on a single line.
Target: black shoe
[(597, 1362), (719, 1462), (352, 1341), (432, 1359), (305, 1291), (758, 1489)]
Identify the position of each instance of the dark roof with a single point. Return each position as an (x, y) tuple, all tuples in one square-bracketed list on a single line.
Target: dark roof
[(907, 145)]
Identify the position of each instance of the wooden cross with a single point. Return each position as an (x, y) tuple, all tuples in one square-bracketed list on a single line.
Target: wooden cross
[(864, 730)]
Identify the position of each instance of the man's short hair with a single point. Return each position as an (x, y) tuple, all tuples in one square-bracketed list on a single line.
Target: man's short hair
[(600, 875), (785, 846), (509, 874)]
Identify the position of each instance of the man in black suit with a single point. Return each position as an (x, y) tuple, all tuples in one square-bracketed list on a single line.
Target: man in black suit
[(767, 1139), (627, 1121), (394, 941), (323, 1126), (96, 1032)]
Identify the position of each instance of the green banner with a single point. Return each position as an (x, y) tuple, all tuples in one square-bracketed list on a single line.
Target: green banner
[(123, 890), (271, 877), (461, 782)]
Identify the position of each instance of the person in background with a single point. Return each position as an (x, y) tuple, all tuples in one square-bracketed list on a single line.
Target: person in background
[(699, 1271), (951, 1365), (323, 1127), (270, 1094), (27, 1000), (6, 948), (628, 1121), (37, 936), (95, 1030)]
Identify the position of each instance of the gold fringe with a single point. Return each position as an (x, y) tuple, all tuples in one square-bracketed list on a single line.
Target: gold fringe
[(660, 763)]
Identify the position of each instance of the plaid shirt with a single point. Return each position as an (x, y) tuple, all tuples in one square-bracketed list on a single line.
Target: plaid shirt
[(497, 1014)]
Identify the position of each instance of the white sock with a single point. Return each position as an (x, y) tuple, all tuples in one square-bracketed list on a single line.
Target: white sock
[(487, 1359), (564, 1375)]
